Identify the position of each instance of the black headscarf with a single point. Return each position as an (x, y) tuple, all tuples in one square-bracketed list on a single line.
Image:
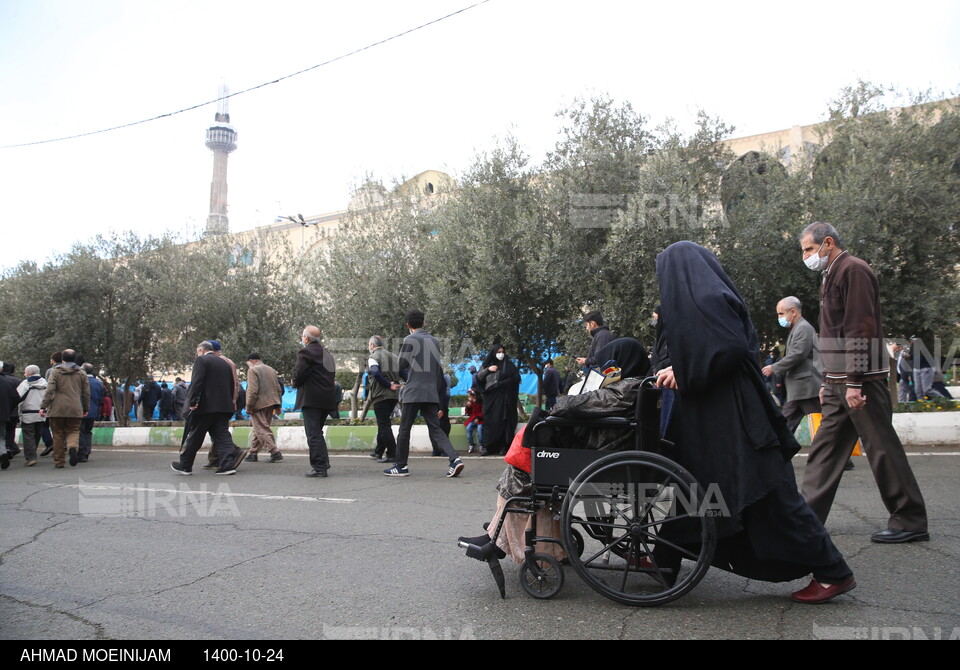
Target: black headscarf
[(707, 327), (507, 366), (628, 354)]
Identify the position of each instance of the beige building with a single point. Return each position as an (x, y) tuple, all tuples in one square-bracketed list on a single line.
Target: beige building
[(792, 145), (310, 233)]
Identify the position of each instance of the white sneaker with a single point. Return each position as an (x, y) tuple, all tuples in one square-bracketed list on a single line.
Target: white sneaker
[(455, 468)]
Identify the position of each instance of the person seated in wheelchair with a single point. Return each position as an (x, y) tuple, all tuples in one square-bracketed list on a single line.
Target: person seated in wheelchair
[(726, 431), (616, 399)]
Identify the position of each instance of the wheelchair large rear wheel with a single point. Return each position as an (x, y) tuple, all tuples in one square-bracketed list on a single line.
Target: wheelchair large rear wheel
[(649, 532)]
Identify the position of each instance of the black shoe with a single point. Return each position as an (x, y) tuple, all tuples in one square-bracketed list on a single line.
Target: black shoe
[(4, 461), (177, 467), (47, 451), (316, 473), (82, 459), (275, 457), (374, 455), (385, 459), (13, 452), (484, 452), (252, 458), (894, 536), (73, 456), (849, 466)]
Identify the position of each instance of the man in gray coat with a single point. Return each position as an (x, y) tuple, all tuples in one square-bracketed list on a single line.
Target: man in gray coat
[(420, 364), (800, 366)]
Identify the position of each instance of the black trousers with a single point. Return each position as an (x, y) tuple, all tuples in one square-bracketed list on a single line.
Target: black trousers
[(794, 410), (215, 423), (386, 442), (313, 420), (428, 410), (11, 431), (86, 437)]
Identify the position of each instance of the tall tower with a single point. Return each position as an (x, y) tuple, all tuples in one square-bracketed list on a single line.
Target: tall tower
[(221, 139)]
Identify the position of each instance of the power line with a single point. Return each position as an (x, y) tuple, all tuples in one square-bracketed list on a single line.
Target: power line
[(252, 88)]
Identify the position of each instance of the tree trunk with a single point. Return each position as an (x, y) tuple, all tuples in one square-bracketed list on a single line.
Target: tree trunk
[(120, 404), (353, 396), (366, 408)]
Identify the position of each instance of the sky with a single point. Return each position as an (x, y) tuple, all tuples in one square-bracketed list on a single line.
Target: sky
[(431, 99)]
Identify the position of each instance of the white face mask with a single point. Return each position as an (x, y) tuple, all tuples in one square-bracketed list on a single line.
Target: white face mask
[(500, 356), (815, 261)]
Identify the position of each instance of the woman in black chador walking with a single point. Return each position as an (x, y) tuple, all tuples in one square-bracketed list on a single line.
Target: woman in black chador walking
[(729, 433)]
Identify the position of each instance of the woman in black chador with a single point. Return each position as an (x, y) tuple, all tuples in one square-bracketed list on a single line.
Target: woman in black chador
[(729, 433), (499, 380)]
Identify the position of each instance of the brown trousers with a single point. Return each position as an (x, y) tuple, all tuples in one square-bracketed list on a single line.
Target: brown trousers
[(834, 442), (66, 435), (262, 435)]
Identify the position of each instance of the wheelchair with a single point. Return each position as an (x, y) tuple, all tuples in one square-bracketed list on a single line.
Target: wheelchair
[(635, 525)]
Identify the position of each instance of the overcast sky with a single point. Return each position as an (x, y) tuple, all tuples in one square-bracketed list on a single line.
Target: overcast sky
[(428, 100)]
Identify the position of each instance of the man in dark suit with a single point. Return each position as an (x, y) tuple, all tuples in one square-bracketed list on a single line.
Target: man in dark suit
[(211, 405), (800, 366), (420, 361), (313, 377), (166, 403), (551, 384), (149, 397)]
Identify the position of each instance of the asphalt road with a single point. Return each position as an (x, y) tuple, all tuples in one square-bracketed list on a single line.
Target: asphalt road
[(123, 548)]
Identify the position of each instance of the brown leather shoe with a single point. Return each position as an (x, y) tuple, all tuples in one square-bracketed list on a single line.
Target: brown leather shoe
[(816, 593)]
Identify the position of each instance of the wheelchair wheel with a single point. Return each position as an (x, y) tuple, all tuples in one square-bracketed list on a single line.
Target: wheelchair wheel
[(649, 535), (543, 580)]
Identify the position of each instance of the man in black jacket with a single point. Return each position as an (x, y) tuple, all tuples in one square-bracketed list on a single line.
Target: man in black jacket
[(166, 403), (149, 397), (10, 427), (211, 405), (313, 377), (601, 336), (551, 384)]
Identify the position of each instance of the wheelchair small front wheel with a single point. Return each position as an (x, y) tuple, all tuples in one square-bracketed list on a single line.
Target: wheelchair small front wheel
[(541, 576)]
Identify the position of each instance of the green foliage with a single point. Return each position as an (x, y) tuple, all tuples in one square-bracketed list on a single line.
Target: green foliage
[(520, 250), (931, 405), (370, 275), (889, 182)]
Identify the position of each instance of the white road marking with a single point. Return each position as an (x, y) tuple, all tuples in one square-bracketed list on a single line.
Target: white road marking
[(124, 487), (910, 453)]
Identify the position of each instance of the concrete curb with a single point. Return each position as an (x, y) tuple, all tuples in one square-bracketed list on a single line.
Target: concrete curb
[(915, 429), (289, 438)]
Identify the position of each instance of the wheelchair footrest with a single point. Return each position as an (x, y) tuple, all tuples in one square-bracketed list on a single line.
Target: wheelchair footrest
[(482, 552)]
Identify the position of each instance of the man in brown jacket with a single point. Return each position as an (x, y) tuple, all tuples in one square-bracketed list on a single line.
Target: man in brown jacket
[(263, 400), (65, 402), (854, 393)]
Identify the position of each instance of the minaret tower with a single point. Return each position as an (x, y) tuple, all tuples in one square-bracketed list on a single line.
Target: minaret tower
[(221, 139)]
